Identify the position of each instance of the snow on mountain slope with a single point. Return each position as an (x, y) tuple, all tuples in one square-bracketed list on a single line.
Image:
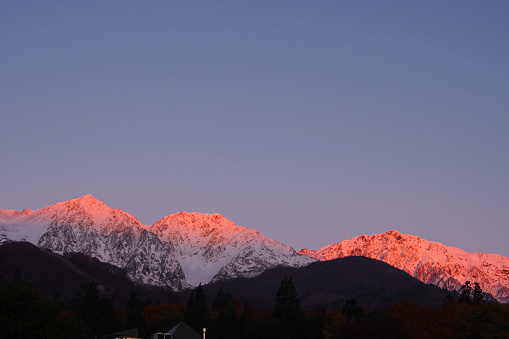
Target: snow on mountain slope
[(179, 250), (210, 247), (26, 225), (430, 262), (89, 226)]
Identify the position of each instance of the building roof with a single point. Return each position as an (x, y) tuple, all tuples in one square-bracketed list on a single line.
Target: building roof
[(184, 331), (131, 333)]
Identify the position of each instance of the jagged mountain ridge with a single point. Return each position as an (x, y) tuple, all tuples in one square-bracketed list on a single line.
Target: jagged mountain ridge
[(185, 249), (430, 262), (211, 247), (179, 251), (87, 225)]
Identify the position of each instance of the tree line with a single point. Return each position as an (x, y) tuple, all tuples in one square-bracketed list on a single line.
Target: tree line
[(24, 313)]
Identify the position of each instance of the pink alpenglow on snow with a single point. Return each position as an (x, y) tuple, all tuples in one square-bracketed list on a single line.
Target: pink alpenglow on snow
[(186, 249), (430, 262), (178, 251)]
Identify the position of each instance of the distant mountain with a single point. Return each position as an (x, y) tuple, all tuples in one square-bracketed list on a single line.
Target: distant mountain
[(430, 262), (372, 283), (86, 225), (53, 275), (56, 276), (210, 247), (179, 251), (185, 249)]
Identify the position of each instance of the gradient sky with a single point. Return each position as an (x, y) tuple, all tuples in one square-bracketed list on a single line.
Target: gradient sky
[(310, 121)]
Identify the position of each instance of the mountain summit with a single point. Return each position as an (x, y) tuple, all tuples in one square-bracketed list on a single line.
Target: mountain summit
[(186, 249), (430, 262), (87, 225), (180, 250), (210, 247)]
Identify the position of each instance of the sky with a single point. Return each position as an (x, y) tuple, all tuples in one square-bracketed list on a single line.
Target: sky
[(310, 121)]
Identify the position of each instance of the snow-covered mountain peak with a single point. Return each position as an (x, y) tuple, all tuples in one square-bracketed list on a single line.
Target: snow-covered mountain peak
[(87, 212), (25, 225), (210, 246), (430, 262), (10, 215), (195, 220), (196, 229), (179, 250), (88, 198), (305, 251), (87, 225), (86, 204), (82, 214)]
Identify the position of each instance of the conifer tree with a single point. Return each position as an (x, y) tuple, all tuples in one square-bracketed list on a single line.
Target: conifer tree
[(222, 300), (352, 311), (466, 293), (135, 306), (317, 321), (97, 312), (190, 313), (287, 311), (24, 313), (246, 322), (197, 315), (477, 295), (449, 297)]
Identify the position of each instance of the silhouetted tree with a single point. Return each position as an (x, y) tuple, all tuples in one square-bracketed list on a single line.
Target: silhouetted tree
[(190, 313), (287, 311), (352, 311), (466, 293), (449, 297), (246, 322), (25, 314), (221, 301), (227, 324), (17, 277), (97, 312), (135, 307), (197, 315), (317, 322), (477, 295)]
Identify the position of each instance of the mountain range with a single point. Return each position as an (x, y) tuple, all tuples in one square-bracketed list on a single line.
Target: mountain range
[(372, 283), (185, 249), (179, 251), (430, 262)]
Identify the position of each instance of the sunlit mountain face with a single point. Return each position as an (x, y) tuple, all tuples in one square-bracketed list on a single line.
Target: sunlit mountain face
[(87, 225), (185, 249), (430, 262), (210, 247), (179, 251)]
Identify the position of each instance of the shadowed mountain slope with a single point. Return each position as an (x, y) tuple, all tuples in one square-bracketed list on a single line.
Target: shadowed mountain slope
[(374, 284), (53, 275)]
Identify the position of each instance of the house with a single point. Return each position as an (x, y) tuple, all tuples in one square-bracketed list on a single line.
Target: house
[(131, 333), (179, 331), (160, 335)]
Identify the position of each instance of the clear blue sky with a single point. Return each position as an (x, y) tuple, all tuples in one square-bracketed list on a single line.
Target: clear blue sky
[(310, 121)]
